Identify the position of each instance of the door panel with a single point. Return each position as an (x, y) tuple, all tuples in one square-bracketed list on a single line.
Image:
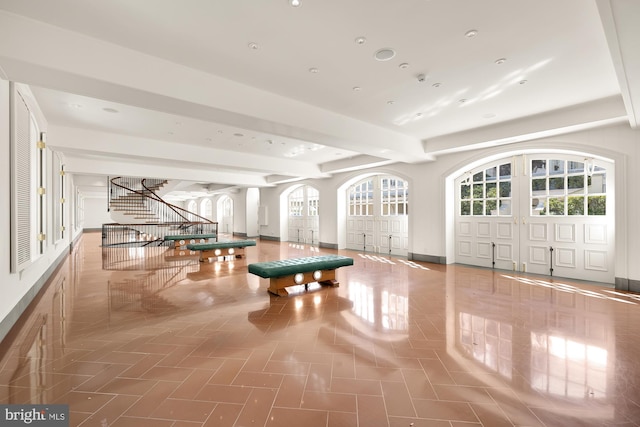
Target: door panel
[(377, 219), (303, 223), (552, 230)]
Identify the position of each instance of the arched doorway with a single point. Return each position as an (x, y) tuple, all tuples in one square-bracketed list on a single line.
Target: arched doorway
[(206, 208), (377, 217), (303, 223), (224, 208), (545, 213), (192, 206)]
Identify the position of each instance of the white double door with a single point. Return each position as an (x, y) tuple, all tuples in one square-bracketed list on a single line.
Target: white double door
[(304, 229), (530, 239), (387, 235)]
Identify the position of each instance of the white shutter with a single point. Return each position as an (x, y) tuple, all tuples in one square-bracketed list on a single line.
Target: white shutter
[(21, 186)]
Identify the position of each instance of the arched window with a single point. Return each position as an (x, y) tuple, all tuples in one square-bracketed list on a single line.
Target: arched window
[(192, 206), (361, 199), (296, 202), (487, 192), (568, 188), (395, 196), (313, 201)]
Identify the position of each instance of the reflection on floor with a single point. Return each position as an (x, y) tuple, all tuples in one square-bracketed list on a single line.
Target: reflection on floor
[(152, 337)]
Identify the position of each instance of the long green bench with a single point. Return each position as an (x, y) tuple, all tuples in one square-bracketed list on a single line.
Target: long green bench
[(181, 240), (224, 248), (300, 271)]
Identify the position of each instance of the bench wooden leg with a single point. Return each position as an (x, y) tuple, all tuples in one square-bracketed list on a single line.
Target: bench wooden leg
[(333, 283), (277, 285)]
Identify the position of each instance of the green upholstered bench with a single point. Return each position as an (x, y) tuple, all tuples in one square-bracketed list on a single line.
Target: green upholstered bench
[(216, 249), (300, 271), (181, 240)]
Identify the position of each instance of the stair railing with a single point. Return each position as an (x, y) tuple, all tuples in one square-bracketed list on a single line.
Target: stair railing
[(148, 199)]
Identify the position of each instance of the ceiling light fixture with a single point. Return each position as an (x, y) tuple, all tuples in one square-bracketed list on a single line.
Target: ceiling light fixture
[(522, 82), (471, 33), (110, 110), (356, 89), (436, 85), (313, 70), (391, 102), (384, 54), (253, 46), (294, 3), (360, 40), (404, 65), (500, 61)]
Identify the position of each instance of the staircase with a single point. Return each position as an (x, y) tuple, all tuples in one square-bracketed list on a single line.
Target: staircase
[(133, 205), (142, 217)]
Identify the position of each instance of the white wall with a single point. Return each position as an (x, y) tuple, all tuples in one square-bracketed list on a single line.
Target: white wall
[(95, 212), (430, 220), (18, 289), (253, 203)]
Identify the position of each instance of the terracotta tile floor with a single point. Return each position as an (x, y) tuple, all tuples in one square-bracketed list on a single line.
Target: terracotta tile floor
[(146, 337)]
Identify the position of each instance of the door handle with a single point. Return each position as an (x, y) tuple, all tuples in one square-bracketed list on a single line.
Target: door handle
[(523, 220), (515, 220)]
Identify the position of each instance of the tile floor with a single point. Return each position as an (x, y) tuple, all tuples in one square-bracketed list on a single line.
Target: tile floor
[(147, 337)]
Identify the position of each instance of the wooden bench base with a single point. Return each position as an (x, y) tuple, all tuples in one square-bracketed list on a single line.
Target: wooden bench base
[(277, 285), (231, 248), (181, 242), (214, 253)]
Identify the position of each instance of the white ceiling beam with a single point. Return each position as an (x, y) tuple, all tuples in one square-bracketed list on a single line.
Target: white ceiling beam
[(603, 112), (621, 23), (88, 142), (86, 66)]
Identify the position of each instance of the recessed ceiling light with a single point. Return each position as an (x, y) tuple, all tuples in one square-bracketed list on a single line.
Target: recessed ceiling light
[(500, 61), (294, 3), (360, 40), (462, 101), (522, 82), (238, 134), (356, 89), (313, 70), (110, 110), (404, 65), (391, 102), (384, 54), (436, 85), (418, 115), (253, 46), (471, 33), (208, 139)]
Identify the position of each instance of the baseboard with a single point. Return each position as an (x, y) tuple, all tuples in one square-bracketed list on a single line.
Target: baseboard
[(328, 245), (434, 259), (273, 238), (627, 285)]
